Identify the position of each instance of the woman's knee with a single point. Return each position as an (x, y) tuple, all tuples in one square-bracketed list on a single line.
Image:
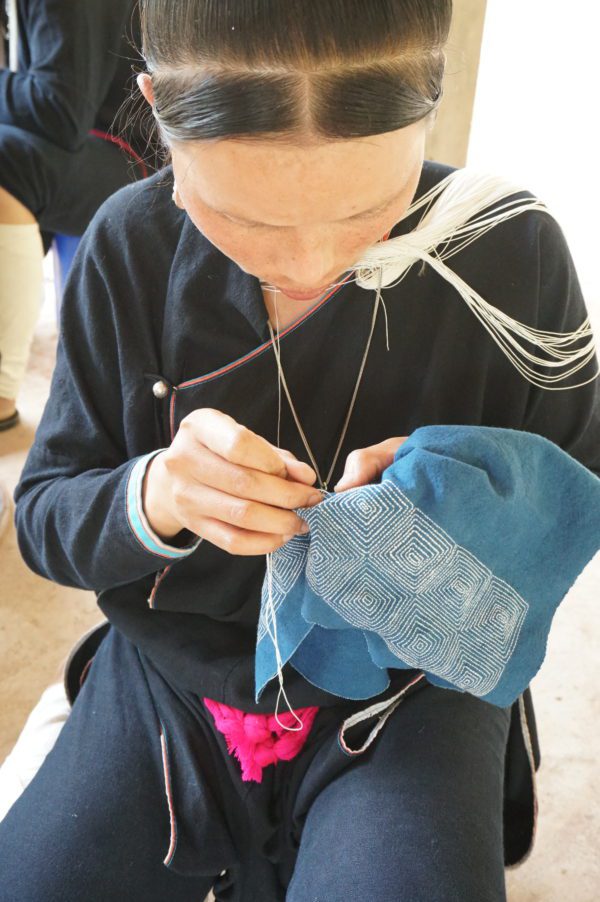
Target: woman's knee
[(12, 211), (411, 849), (419, 817)]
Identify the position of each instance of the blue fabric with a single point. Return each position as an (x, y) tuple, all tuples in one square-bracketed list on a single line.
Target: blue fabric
[(454, 564), (137, 519)]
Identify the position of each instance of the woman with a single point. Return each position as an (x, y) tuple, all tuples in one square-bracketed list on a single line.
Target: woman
[(58, 163), (296, 134)]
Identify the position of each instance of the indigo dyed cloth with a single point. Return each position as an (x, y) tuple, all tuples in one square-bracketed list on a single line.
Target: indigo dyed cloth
[(454, 564)]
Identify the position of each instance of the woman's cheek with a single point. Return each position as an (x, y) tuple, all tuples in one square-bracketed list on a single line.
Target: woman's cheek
[(359, 238), (227, 237)]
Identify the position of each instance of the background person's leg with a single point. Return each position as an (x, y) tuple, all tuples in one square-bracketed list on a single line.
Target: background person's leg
[(21, 282), (417, 817), (94, 823)]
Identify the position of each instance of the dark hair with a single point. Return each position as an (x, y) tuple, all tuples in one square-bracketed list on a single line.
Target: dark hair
[(290, 69)]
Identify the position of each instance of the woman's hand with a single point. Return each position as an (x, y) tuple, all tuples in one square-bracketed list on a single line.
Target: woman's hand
[(366, 465), (228, 485)]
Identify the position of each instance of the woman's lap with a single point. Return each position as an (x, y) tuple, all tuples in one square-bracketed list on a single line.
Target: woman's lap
[(417, 817)]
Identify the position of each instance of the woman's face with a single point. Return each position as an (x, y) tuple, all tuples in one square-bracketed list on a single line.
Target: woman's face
[(298, 216)]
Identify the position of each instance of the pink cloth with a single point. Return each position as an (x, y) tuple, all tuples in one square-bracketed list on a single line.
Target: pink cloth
[(257, 740)]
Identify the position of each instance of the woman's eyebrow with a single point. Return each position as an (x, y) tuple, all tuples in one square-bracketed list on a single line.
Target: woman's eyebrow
[(375, 209)]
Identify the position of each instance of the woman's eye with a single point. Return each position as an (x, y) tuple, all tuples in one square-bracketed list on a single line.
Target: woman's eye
[(246, 225), (259, 225)]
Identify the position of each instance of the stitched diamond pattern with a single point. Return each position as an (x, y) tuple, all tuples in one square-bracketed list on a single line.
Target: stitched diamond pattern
[(387, 568)]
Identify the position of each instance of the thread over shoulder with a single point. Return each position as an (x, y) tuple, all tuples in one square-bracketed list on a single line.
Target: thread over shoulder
[(457, 211)]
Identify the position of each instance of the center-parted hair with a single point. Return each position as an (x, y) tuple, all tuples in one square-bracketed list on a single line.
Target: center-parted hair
[(293, 69)]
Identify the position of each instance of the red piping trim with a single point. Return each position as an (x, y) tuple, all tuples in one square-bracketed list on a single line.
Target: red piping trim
[(259, 350), (84, 672), (242, 360), (172, 821), (114, 139), (157, 581), (172, 413)]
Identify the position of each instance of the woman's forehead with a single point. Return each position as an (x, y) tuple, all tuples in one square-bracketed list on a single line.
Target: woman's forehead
[(278, 184)]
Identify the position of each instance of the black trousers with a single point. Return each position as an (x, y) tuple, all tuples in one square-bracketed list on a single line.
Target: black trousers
[(63, 190), (140, 776)]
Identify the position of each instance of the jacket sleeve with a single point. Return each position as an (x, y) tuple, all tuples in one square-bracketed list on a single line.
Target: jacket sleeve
[(569, 417), (79, 516), (74, 50)]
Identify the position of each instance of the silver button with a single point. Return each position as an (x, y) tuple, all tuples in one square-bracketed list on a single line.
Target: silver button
[(160, 390), (222, 874)]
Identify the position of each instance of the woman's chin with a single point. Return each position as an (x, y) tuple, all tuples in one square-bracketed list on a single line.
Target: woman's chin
[(313, 296)]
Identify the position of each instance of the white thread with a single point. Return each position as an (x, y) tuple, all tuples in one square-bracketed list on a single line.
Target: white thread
[(324, 483), (13, 35), (273, 635), (278, 379), (454, 216), (387, 326), (270, 606), (358, 381), (456, 219), (271, 613)]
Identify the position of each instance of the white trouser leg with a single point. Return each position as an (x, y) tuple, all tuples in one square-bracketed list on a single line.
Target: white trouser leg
[(37, 738), (21, 286)]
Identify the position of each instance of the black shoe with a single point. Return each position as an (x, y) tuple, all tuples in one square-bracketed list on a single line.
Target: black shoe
[(9, 422)]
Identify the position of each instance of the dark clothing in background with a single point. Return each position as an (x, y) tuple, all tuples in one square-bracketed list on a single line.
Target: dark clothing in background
[(414, 818), (63, 190), (76, 64)]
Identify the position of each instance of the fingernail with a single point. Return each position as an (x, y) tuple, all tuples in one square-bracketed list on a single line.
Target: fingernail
[(289, 538), (303, 529), (315, 498)]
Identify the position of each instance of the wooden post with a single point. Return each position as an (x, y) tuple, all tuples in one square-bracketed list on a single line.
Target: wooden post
[(449, 139)]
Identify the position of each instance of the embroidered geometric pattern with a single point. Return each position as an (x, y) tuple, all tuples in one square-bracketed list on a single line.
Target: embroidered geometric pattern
[(385, 567), (289, 563)]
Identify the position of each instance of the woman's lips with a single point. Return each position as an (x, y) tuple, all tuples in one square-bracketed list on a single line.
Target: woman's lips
[(310, 295), (304, 296)]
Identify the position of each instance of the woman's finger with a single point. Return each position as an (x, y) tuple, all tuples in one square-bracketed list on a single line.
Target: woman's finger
[(298, 470), (224, 436), (239, 541), (196, 504), (366, 465), (363, 469), (204, 467)]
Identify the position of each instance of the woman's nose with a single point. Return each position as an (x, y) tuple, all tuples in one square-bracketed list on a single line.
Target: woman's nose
[(308, 262)]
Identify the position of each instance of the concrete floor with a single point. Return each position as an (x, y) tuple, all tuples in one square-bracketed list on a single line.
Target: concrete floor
[(39, 621)]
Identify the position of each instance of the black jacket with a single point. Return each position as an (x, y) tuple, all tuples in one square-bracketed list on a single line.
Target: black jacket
[(150, 298)]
